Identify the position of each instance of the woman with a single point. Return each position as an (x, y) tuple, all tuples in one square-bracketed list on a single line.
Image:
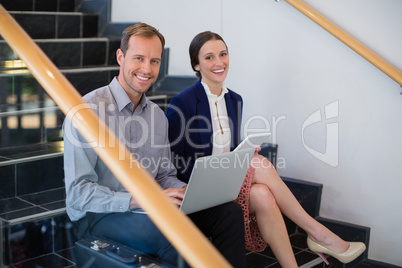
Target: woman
[(205, 119)]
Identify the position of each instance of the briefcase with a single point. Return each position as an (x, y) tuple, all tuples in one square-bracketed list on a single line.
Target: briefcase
[(100, 252)]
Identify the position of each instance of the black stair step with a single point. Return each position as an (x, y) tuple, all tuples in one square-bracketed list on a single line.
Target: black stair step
[(38, 5), (48, 25), (173, 84), (87, 80), (71, 53), (84, 79)]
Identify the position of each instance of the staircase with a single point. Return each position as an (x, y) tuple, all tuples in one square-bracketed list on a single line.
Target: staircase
[(82, 43), (79, 38)]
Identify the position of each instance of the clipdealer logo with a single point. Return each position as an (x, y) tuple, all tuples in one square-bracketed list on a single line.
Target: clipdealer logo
[(330, 156)]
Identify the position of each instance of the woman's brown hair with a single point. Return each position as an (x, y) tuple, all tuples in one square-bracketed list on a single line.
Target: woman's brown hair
[(196, 44)]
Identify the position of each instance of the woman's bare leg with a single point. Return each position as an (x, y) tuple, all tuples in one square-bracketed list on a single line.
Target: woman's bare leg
[(271, 224), (266, 174)]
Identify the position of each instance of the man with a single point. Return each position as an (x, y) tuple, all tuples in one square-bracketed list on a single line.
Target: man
[(95, 198)]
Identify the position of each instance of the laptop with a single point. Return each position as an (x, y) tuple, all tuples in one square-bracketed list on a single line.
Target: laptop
[(253, 140), (216, 179)]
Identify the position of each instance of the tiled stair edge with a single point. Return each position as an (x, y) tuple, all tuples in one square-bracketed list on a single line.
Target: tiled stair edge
[(103, 8)]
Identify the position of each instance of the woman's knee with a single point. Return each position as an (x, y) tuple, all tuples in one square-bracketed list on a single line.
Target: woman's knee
[(263, 169), (261, 196), (261, 162)]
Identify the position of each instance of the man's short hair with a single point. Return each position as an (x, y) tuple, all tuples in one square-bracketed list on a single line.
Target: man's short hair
[(139, 29)]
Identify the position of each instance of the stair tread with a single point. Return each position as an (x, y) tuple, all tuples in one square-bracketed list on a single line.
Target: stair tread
[(51, 13), (26, 72)]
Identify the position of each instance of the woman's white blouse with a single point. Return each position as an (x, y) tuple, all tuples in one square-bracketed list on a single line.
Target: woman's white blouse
[(220, 120)]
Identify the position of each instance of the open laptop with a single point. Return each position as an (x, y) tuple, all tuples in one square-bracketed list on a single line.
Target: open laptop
[(216, 179), (253, 140)]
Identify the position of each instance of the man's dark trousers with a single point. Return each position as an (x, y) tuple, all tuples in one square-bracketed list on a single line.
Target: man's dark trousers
[(224, 224)]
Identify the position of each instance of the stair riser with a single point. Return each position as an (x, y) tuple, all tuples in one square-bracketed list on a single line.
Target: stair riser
[(49, 26), (39, 5), (76, 53)]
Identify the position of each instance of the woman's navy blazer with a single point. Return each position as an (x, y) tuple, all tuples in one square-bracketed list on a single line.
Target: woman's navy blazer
[(190, 126)]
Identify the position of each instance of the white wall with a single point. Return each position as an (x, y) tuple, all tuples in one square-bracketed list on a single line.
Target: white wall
[(287, 68)]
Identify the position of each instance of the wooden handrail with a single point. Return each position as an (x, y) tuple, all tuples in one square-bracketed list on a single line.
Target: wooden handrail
[(359, 48), (177, 228)]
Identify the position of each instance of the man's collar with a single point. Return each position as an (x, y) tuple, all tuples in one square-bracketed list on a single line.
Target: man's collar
[(123, 100), (143, 102)]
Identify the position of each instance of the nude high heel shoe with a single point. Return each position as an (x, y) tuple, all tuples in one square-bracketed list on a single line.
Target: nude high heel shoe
[(355, 250)]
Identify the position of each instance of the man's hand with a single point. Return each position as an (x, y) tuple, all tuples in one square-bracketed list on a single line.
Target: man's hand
[(174, 194)]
